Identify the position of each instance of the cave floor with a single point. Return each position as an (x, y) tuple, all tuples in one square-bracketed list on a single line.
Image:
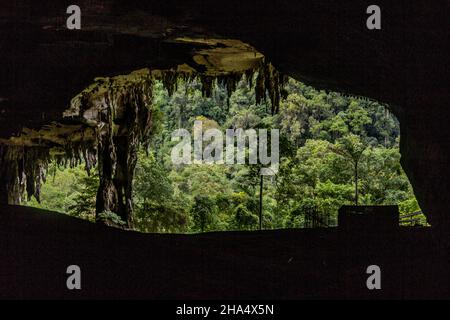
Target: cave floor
[(37, 246)]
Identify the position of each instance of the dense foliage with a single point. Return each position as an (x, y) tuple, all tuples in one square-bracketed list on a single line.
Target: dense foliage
[(335, 150)]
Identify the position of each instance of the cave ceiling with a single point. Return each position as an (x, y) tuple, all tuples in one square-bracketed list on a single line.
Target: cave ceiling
[(323, 43), (211, 59)]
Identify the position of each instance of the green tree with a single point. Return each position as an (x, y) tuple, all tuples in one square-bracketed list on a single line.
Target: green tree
[(85, 196), (351, 148), (157, 209), (204, 213), (335, 150)]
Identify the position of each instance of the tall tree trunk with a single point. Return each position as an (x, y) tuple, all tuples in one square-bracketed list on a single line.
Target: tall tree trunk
[(260, 201), (356, 183)]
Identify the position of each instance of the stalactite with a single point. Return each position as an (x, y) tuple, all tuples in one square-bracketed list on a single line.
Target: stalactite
[(22, 169), (169, 80), (125, 119), (115, 116), (207, 85), (269, 82)]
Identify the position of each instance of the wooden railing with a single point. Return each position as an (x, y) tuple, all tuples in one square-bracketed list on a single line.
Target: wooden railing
[(411, 219), (314, 220)]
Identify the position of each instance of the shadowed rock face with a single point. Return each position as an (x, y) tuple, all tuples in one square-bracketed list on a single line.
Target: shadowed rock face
[(323, 43), (35, 250)]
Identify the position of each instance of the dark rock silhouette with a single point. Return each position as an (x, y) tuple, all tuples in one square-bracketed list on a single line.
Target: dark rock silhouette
[(37, 246), (369, 219), (324, 43)]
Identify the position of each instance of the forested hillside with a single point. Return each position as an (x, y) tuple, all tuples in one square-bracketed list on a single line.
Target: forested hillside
[(334, 150)]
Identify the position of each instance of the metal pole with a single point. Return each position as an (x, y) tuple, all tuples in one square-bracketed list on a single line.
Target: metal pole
[(260, 201)]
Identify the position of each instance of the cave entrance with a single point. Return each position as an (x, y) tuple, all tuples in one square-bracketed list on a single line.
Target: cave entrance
[(322, 136)]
